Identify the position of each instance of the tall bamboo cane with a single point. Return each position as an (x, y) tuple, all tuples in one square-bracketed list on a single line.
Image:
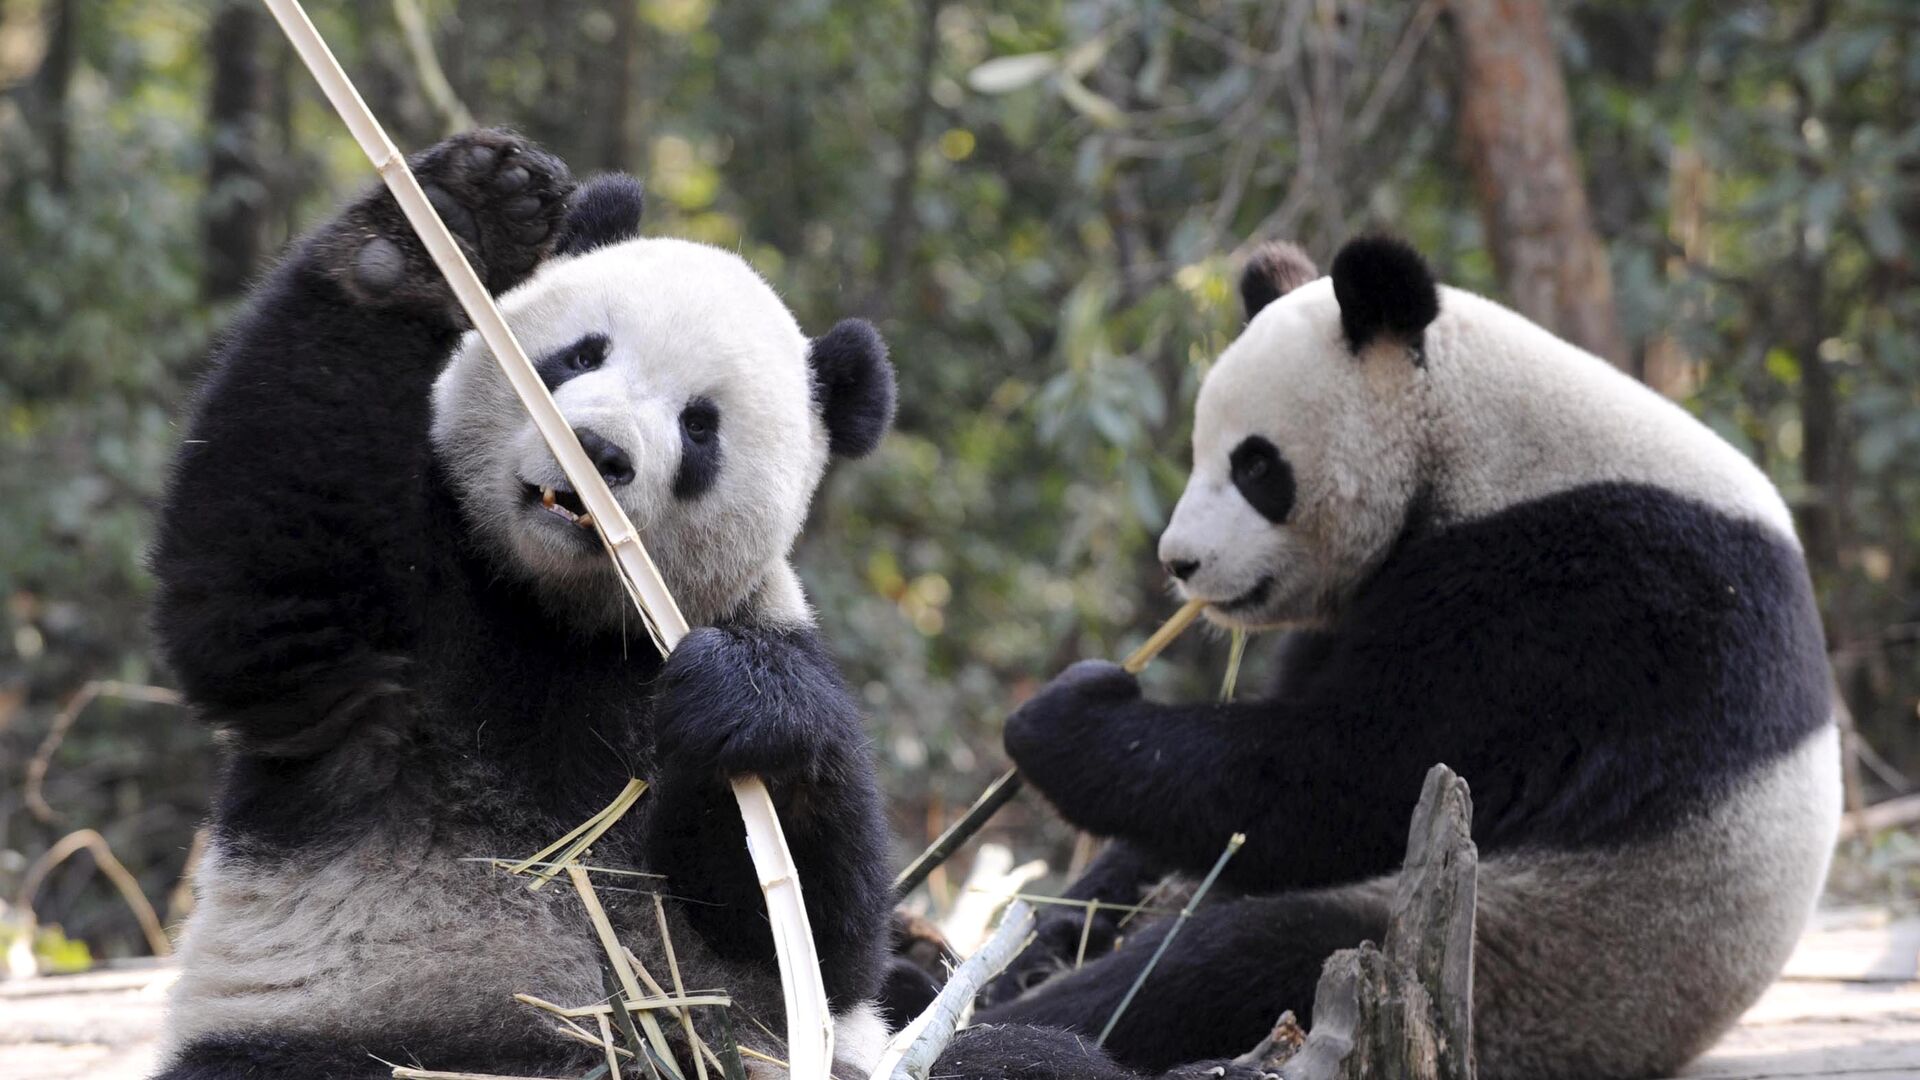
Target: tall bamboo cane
[(809, 1025)]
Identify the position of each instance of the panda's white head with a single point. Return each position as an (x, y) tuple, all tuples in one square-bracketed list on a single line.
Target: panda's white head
[(708, 411), (1306, 442)]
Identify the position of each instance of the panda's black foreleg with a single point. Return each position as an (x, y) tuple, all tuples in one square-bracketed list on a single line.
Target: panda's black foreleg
[(755, 701), (1024, 1052), (291, 548), (1233, 968), (265, 1056)]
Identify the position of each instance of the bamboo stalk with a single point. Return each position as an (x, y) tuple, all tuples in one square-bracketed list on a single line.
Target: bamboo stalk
[(1010, 783), (911, 1053), (673, 969), (617, 956), (809, 1023), (669, 1002)]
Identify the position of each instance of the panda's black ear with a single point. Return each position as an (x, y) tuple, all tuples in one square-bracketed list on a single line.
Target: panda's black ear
[(853, 385), (604, 210), (1275, 269), (1385, 291)]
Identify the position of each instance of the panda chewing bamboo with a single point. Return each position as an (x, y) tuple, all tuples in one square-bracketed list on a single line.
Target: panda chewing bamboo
[(1496, 552), (417, 662)]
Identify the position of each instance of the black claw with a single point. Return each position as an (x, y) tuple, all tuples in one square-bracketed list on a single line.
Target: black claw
[(511, 179), (379, 266), (521, 208)]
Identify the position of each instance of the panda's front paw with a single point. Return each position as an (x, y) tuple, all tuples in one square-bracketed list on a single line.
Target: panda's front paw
[(501, 196), (1067, 711), (733, 702)]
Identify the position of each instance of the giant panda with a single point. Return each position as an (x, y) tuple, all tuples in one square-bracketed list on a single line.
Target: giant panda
[(377, 586), (1497, 552)]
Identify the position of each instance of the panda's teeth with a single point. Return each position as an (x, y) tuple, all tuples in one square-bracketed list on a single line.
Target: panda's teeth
[(547, 497), (585, 521)]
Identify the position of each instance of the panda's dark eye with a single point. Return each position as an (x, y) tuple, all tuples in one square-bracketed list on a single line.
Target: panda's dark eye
[(699, 449), (590, 355), (700, 420), (584, 355), (1262, 477)]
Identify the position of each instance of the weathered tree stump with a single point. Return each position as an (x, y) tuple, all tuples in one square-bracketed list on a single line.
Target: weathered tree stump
[(1404, 1010)]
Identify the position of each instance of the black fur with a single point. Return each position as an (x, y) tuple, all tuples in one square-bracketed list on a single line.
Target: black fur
[(273, 1057), (700, 449), (1234, 967), (1385, 291), (1023, 1052), (324, 603), (853, 385), (561, 366), (1263, 478), (605, 210), (1275, 269), (1599, 665), (1117, 876)]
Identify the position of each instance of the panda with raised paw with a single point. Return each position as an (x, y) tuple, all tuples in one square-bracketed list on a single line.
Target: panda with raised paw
[(376, 584), (1499, 553)]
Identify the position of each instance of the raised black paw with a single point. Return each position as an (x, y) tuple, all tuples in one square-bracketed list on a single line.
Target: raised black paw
[(501, 196), (733, 703)]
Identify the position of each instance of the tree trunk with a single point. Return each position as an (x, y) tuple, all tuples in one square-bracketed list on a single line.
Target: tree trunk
[(46, 98), (1518, 139), (237, 188), (1404, 1009)]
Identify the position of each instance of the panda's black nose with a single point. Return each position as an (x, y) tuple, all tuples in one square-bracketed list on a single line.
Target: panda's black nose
[(614, 464), (1181, 569)]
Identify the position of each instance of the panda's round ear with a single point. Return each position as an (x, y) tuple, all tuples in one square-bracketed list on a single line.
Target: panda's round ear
[(853, 385), (604, 210), (1385, 291), (1275, 269)]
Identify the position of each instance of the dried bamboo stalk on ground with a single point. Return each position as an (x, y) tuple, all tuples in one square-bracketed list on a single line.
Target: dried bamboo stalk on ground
[(911, 1054)]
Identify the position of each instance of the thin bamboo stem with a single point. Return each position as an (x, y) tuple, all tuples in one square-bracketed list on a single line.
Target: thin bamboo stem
[(1010, 783), (617, 956), (1206, 883)]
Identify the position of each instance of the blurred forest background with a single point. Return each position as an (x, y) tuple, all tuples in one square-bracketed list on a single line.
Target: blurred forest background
[(1043, 204)]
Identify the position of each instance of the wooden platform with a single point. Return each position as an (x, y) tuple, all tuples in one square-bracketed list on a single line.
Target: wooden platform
[(1848, 1008)]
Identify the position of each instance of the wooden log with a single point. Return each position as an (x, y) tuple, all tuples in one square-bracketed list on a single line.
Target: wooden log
[(1404, 1010)]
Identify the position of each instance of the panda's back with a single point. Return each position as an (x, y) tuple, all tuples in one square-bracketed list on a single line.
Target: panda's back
[(1519, 414)]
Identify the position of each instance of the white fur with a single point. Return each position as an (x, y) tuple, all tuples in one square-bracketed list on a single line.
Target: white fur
[(685, 320), (1559, 935), (1500, 413), (399, 934)]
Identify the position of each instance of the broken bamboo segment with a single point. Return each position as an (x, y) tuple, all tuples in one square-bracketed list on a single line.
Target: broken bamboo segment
[(809, 1023), (1002, 790)]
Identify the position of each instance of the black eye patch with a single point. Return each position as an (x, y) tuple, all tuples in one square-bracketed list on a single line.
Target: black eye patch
[(582, 356), (699, 449), (1263, 478)]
